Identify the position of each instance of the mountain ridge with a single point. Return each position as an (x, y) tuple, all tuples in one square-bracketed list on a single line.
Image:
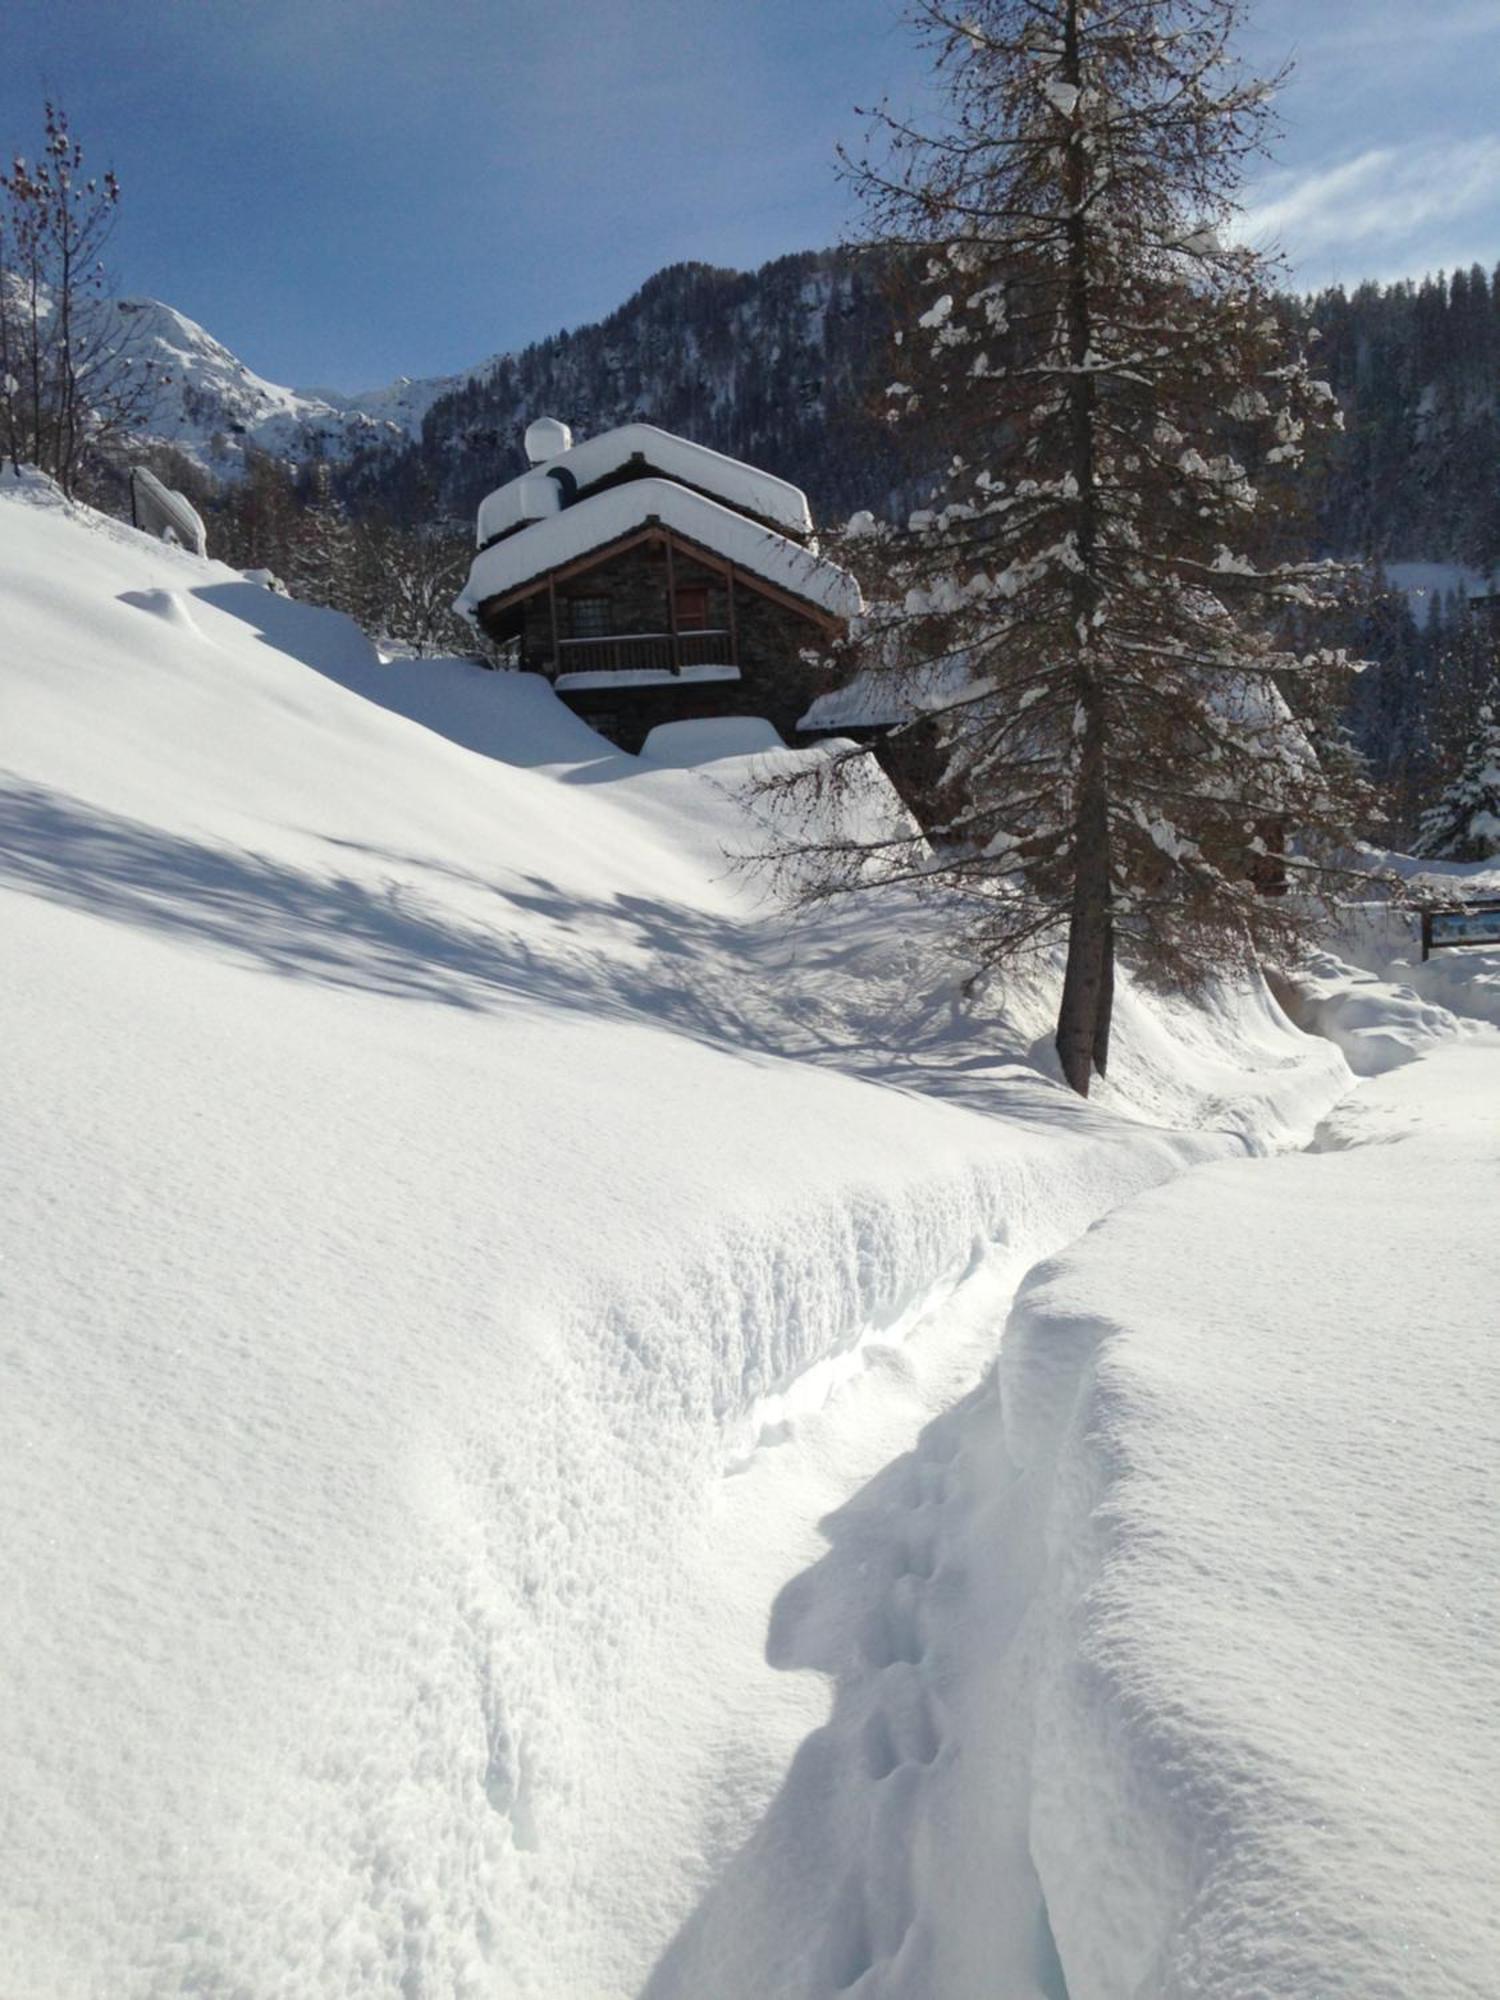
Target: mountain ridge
[(776, 366), (212, 405), (765, 362)]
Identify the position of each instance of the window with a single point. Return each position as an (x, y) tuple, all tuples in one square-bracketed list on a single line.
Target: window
[(591, 618), (692, 607)]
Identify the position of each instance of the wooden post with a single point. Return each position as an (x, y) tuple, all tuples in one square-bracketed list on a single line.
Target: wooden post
[(552, 609), (734, 633), (672, 609)]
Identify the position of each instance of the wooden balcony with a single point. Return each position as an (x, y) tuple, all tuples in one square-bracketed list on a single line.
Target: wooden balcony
[(645, 652)]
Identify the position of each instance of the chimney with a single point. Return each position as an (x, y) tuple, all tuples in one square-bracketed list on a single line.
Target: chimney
[(546, 438)]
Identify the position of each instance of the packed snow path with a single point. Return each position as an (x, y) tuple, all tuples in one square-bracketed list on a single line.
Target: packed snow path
[(1190, 1608), (893, 1859)]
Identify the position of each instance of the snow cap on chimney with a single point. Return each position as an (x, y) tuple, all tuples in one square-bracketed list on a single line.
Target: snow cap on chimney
[(547, 437)]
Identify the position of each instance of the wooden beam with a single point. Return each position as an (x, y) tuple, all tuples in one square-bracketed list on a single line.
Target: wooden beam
[(656, 531), (710, 559), (672, 610), (734, 630), (565, 571), (552, 611)]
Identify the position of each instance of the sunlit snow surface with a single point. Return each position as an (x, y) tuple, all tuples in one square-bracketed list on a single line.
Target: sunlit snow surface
[(503, 1482), (1267, 1759)]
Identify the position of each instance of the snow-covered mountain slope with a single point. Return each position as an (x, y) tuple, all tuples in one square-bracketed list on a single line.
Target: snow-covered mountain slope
[(211, 405), (457, 1242), (403, 402), (771, 367), (1427, 584)]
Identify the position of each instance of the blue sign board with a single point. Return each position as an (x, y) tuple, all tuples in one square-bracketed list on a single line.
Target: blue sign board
[(1471, 923)]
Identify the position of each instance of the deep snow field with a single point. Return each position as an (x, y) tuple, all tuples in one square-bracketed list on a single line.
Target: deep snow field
[(507, 1484)]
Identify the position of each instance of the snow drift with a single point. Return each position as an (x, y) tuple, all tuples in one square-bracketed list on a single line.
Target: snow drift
[(1265, 1758)]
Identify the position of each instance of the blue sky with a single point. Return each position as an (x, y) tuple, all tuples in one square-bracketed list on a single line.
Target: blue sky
[(346, 190)]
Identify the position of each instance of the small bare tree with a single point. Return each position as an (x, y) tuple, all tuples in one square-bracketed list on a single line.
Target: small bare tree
[(69, 390), (398, 582), (1087, 615), (410, 577)]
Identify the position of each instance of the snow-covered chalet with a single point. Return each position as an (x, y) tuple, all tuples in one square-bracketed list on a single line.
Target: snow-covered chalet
[(652, 580)]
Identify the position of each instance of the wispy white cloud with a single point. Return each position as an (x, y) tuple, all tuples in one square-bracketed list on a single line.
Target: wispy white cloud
[(1359, 29), (1381, 204)]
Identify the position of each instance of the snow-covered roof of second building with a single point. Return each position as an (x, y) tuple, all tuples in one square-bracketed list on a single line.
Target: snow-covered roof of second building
[(607, 517), (885, 692), (730, 480)]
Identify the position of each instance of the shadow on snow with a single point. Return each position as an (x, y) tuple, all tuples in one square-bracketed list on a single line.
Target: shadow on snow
[(756, 989)]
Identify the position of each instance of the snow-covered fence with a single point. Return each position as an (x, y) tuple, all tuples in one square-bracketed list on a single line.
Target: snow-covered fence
[(161, 510)]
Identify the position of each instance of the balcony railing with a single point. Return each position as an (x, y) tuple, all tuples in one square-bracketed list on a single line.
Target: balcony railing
[(645, 652)]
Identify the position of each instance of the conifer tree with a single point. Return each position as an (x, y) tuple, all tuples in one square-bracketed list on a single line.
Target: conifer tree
[(1463, 670), (1464, 824), (322, 558), (257, 521), (1086, 614)]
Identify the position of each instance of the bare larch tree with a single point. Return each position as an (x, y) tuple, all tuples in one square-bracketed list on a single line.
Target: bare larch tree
[(71, 392), (1087, 615)]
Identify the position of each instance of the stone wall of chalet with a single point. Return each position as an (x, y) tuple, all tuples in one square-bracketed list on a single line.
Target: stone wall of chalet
[(635, 585), (778, 682)]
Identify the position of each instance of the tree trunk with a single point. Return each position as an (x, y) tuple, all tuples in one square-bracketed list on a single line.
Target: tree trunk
[(1088, 982), (1104, 1017)]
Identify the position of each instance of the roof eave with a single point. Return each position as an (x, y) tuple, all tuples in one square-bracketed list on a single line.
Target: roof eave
[(656, 530)]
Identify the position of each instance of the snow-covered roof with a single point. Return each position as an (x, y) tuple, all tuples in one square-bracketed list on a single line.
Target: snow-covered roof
[(705, 739), (547, 438), (729, 480), (862, 704), (609, 516), (885, 698), (532, 497)]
